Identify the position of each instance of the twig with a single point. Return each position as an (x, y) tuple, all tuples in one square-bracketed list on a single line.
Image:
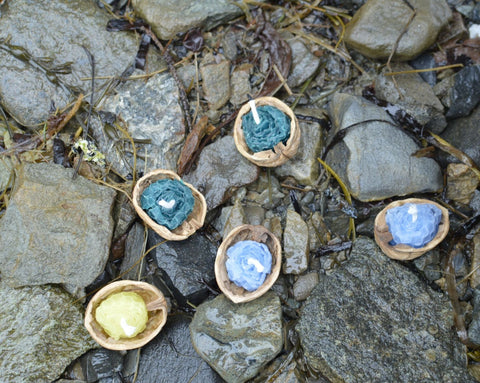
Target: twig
[(440, 68), (282, 79)]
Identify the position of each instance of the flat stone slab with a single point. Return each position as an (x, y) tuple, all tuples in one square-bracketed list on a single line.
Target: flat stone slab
[(55, 229)]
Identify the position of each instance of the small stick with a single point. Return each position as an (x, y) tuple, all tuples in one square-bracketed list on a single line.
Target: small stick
[(282, 79)]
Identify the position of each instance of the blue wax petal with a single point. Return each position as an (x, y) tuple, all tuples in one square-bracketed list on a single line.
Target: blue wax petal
[(413, 224), (168, 190), (274, 127), (244, 259)]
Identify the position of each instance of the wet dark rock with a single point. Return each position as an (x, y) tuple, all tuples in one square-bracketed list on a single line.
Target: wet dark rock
[(101, 363), (474, 327), (462, 133), (430, 265), (304, 166), (186, 263), (42, 331), (169, 18), (376, 26), (391, 325), (134, 249), (426, 61), (237, 340), (465, 94), (295, 244), (221, 169), (304, 63), (151, 110), (414, 96), (52, 34), (55, 230), (375, 159), (170, 357), (475, 15), (216, 81)]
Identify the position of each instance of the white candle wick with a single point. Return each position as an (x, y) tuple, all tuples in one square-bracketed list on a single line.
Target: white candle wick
[(127, 329), (258, 265), (256, 117), (165, 204), (413, 211)]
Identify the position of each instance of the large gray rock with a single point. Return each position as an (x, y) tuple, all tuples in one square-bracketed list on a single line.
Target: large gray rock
[(152, 112), (41, 333), (44, 60), (55, 230), (168, 18), (378, 24), (374, 158), (465, 93), (372, 320), (237, 340), (221, 169), (295, 244), (304, 63)]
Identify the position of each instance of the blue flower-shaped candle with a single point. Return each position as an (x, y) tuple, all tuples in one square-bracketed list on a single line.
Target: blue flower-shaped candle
[(248, 264), (413, 224), (168, 202), (273, 127)]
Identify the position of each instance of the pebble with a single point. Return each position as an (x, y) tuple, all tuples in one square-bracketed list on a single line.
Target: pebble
[(304, 285), (240, 84), (295, 244), (235, 218), (101, 363), (304, 63), (215, 73), (475, 267), (465, 93), (461, 183)]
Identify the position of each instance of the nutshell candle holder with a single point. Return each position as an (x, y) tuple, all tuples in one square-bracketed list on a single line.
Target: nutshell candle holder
[(193, 222), (401, 251), (259, 234), (281, 153), (156, 307)]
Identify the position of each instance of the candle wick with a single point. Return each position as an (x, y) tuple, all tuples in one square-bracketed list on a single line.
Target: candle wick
[(167, 204), (256, 117)]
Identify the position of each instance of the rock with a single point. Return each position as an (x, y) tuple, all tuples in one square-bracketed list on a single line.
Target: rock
[(426, 61), (465, 93), (235, 218), (101, 363), (462, 133), (392, 326), (44, 61), (55, 230), (152, 112), (237, 340), (255, 214), (134, 248), (186, 263), (474, 327), (475, 267), (377, 25), (317, 231), (170, 357), (124, 215), (304, 165), (461, 183), (169, 18), (414, 96), (304, 63), (295, 244), (375, 159), (240, 84), (215, 81), (304, 285), (42, 332), (220, 169), (266, 191), (288, 375), (6, 173)]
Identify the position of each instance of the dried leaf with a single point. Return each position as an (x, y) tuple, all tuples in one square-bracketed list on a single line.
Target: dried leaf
[(459, 52)]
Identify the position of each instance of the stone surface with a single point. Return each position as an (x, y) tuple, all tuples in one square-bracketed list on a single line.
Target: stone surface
[(373, 320), (55, 230), (152, 112), (41, 332), (236, 217), (134, 249), (295, 244), (170, 357), (221, 169), (461, 183), (474, 327), (414, 96), (100, 364), (215, 81), (304, 285), (186, 263), (475, 267), (465, 93), (240, 84), (304, 165), (48, 60), (168, 18), (375, 159), (237, 340), (6, 169), (304, 63)]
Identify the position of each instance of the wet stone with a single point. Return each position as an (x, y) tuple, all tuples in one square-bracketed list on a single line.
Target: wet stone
[(215, 81), (133, 252), (235, 218), (57, 31), (101, 363), (375, 159), (474, 327), (42, 332), (237, 340), (304, 63), (170, 357), (186, 263), (392, 326), (221, 169), (465, 93), (63, 226), (152, 112), (295, 244), (461, 183), (304, 285), (375, 27)]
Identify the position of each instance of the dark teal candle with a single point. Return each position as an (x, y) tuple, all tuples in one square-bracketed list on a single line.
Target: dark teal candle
[(274, 127), (168, 202)]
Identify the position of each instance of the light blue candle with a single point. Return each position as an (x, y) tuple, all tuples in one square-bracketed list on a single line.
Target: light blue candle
[(413, 224), (248, 264)]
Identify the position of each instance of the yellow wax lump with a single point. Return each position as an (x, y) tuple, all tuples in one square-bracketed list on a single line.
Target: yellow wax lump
[(122, 315)]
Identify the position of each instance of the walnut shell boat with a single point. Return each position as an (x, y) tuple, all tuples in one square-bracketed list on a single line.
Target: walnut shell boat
[(401, 251), (157, 314), (281, 153), (257, 233), (193, 222)]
